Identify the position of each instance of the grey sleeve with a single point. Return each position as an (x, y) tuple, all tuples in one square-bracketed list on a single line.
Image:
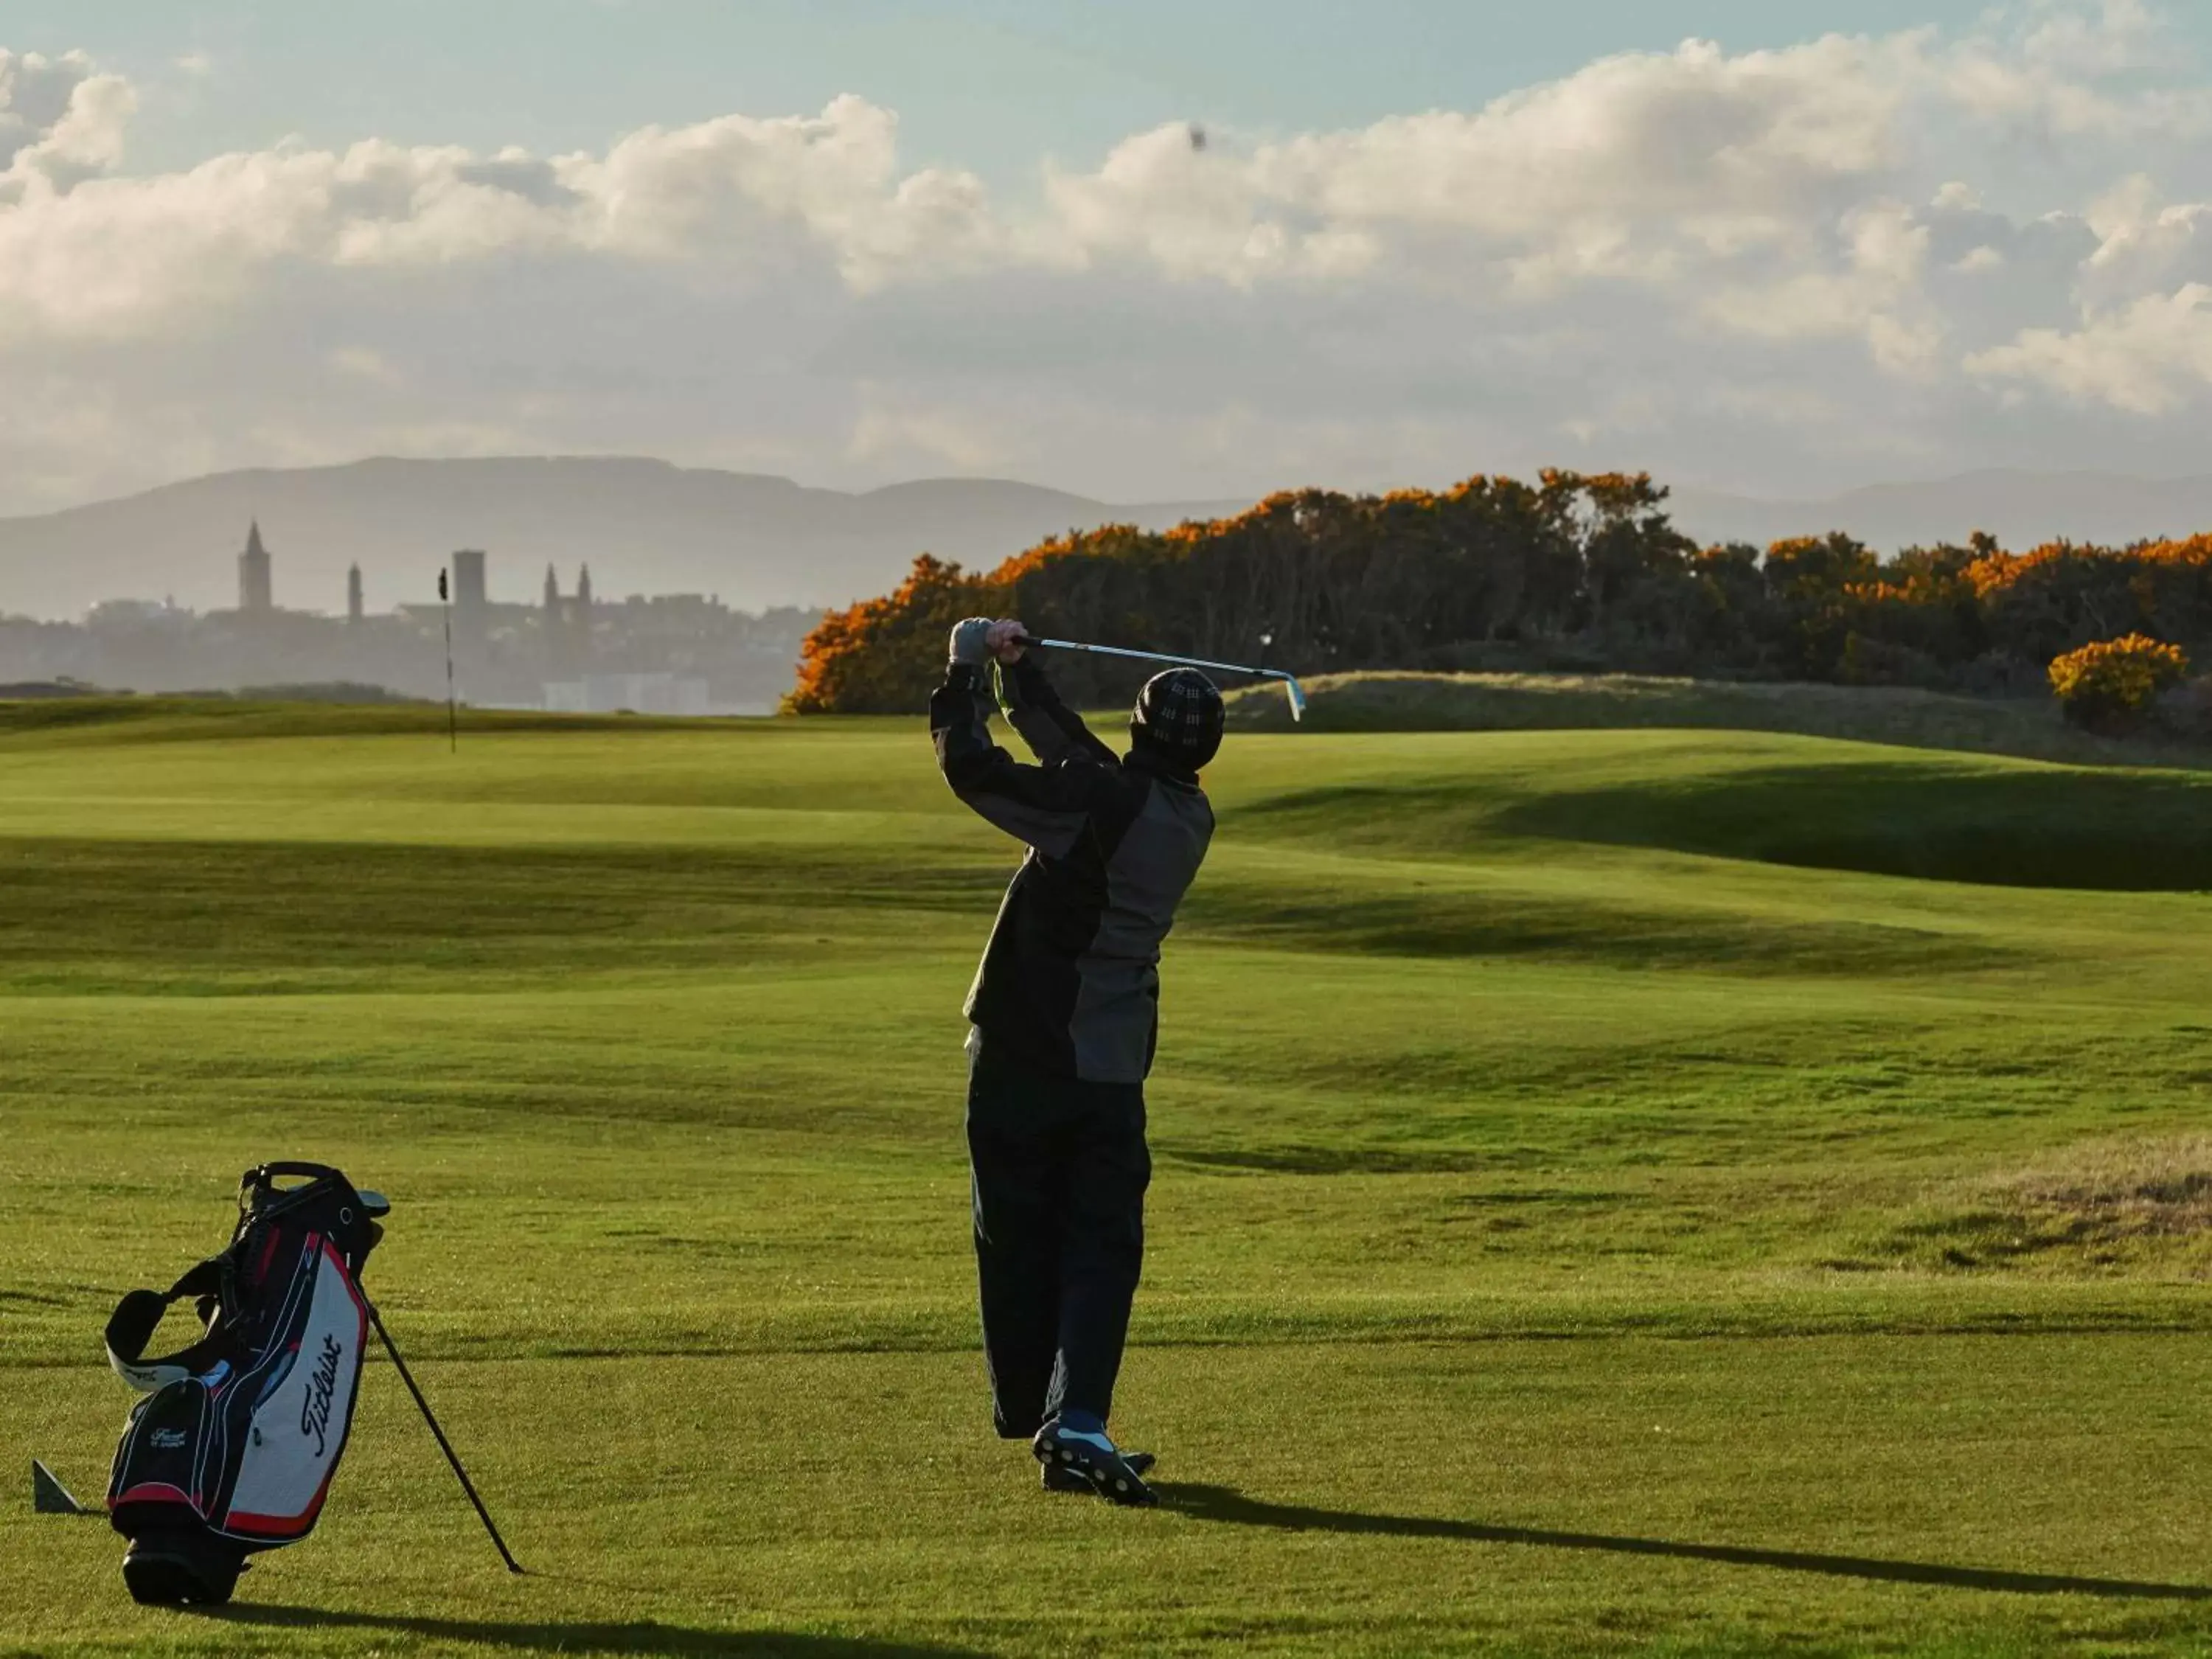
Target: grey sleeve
[(1047, 806), (1053, 730)]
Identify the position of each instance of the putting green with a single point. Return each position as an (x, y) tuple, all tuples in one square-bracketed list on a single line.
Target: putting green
[(1601, 1205)]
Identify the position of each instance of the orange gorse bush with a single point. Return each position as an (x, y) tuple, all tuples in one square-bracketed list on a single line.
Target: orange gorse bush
[(1330, 579), (2116, 680), (1995, 572), (1567, 570)]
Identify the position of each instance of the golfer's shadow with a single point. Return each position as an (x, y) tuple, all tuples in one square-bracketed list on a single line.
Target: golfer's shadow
[(1226, 1503), (641, 1636)]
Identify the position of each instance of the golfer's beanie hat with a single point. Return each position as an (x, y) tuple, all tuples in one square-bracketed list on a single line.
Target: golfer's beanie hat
[(1179, 716)]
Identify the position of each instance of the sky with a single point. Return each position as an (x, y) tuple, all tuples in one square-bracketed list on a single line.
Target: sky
[(1144, 251)]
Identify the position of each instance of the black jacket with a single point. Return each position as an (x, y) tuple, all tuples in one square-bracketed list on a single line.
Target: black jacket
[(1070, 980)]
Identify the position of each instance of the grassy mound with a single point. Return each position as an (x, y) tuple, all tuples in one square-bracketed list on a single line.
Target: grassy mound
[(2011, 825), (1774, 800), (1512, 702)]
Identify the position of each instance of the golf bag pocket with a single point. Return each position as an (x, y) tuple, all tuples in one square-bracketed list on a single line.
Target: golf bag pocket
[(234, 1444)]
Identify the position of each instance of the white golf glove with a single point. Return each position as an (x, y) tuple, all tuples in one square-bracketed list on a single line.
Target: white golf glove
[(970, 644)]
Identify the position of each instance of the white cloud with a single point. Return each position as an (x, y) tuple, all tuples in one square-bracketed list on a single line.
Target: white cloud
[(59, 121), (1751, 266), (2150, 358), (890, 427), (2120, 34), (2146, 245)]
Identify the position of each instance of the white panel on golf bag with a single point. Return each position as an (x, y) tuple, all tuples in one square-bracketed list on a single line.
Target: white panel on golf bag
[(299, 1427)]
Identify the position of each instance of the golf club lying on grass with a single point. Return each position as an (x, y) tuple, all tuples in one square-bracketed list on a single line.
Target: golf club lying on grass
[(1290, 684)]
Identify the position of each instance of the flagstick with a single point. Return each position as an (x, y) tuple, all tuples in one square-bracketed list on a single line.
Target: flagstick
[(453, 709)]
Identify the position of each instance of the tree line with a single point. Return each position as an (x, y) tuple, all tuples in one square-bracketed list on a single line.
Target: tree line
[(1574, 572)]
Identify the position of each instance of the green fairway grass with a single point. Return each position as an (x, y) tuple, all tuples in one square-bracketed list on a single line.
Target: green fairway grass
[(1682, 1191)]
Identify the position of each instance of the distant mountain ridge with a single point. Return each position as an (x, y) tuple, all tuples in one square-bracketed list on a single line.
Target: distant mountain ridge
[(645, 526), (648, 526), (2021, 509)]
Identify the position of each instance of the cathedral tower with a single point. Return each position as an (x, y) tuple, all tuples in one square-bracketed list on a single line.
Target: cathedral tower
[(255, 589)]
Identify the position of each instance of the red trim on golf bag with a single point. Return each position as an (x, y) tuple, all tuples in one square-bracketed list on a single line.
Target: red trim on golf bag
[(151, 1491)]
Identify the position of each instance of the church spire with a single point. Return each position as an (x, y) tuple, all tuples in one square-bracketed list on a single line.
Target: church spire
[(255, 594), (579, 621)]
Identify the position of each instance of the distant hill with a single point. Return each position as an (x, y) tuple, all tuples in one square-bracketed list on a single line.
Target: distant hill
[(644, 526), (2021, 509)]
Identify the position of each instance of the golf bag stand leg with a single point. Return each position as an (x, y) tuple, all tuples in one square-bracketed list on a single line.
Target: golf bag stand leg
[(444, 1445)]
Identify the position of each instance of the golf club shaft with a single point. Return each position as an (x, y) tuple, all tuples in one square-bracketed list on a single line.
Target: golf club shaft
[(444, 1445), (1154, 656)]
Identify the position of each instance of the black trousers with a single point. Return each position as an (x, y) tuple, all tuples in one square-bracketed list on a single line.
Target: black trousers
[(1059, 1169)]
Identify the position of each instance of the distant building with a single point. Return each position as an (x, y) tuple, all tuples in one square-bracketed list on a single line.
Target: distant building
[(255, 590), (555, 631), (564, 627), (355, 611), (470, 607), (133, 613)]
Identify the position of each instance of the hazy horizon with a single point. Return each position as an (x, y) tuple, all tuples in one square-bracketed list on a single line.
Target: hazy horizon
[(1164, 253), (761, 540), (2117, 475)]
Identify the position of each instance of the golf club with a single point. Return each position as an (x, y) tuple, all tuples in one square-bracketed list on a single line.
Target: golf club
[(1290, 684)]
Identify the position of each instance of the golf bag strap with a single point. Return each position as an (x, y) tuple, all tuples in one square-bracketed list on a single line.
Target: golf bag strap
[(131, 1327)]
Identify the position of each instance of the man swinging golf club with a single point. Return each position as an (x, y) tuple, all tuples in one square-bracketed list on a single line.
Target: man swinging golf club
[(1063, 1015)]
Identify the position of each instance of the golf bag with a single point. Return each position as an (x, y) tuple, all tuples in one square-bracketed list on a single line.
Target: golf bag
[(232, 1448)]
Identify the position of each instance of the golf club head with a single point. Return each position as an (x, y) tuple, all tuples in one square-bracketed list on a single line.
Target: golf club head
[(1297, 698)]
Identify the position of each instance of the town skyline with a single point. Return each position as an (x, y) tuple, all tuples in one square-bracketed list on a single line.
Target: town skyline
[(675, 654)]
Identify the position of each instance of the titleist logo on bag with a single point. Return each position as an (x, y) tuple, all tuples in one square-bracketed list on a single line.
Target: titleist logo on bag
[(315, 1413)]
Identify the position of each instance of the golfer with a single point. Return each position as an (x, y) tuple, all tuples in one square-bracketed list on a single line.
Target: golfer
[(1063, 1015)]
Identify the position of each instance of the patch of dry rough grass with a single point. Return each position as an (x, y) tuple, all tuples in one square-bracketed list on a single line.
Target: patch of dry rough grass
[(2158, 1188), (2139, 1204)]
